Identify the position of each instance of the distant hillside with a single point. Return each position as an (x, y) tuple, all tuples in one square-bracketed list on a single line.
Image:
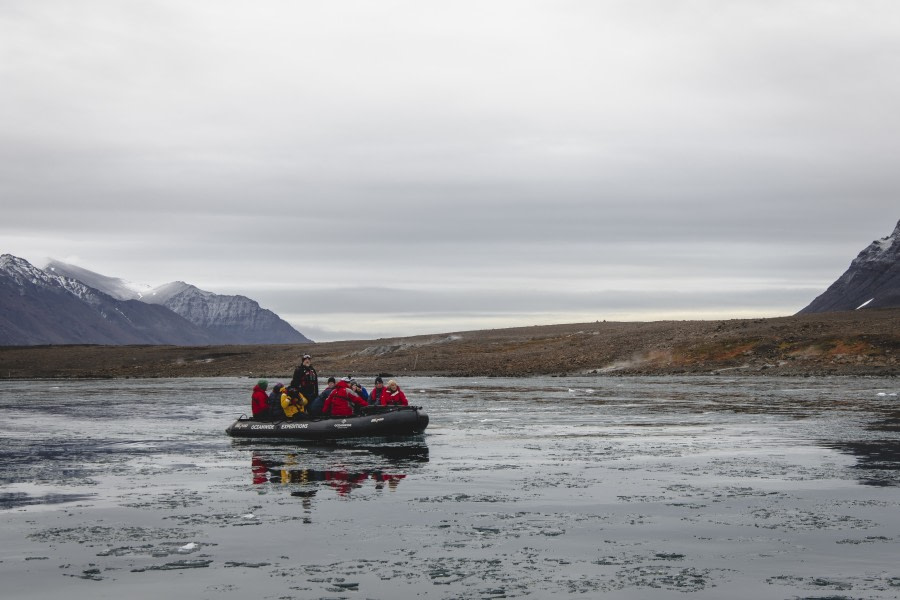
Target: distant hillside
[(40, 307), (871, 281), (863, 342), (226, 319)]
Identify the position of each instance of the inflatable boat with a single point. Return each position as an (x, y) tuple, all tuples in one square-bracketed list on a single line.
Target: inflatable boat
[(375, 422)]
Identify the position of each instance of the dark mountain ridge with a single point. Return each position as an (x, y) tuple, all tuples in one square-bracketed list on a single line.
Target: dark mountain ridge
[(871, 281)]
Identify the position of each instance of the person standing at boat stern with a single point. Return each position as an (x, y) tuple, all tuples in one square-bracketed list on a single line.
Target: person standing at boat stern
[(341, 400), (305, 378), (259, 400)]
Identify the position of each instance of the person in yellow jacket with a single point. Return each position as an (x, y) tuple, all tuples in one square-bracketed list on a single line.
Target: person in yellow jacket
[(293, 403)]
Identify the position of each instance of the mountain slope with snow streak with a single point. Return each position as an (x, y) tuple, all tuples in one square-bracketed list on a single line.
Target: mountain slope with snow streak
[(871, 281)]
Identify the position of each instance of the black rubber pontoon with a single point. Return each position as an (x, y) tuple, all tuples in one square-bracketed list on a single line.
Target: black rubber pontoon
[(402, 420)]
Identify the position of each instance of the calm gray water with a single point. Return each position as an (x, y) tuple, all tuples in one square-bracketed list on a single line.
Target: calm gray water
[(565, 488)]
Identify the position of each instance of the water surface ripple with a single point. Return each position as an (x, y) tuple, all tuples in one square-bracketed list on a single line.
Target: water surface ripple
[(545, 487)]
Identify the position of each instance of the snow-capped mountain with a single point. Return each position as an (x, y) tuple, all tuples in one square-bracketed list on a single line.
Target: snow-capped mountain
[(871, 281), (232, 319), (41, 307), (228, 319)]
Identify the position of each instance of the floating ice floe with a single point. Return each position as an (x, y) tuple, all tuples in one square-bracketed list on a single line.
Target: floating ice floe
[(248, 516), (189, 547)]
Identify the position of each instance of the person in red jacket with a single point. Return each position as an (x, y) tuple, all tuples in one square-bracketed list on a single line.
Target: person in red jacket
[(340, 402), (393, 395), (377, 392), (259, 400)]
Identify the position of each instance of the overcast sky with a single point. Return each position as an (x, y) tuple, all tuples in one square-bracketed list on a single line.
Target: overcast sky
[(379, 168)]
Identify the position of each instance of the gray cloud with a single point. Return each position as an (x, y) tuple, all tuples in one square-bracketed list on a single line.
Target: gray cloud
[(614, 151)]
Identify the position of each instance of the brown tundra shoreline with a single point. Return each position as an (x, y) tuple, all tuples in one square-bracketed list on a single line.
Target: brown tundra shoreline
[(862, 343)]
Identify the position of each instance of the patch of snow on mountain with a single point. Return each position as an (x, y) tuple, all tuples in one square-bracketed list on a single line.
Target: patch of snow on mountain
[(884, 244)]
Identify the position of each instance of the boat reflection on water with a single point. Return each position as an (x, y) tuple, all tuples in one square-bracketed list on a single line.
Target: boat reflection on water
[(379, 467), (341, 479)]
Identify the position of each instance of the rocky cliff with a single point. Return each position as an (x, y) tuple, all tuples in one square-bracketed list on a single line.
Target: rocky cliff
[(871, 281)]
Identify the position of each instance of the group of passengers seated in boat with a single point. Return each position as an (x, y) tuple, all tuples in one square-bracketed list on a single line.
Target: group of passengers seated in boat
[(340, 398)]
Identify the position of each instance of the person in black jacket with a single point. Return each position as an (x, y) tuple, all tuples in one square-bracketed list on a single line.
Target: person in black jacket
[(274, 402), (305, 378)]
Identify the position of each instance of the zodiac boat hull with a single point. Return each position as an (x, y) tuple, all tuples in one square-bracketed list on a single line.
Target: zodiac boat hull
[(406, 420)]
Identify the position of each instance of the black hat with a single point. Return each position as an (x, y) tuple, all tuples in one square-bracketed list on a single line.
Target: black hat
[(379, 379)]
